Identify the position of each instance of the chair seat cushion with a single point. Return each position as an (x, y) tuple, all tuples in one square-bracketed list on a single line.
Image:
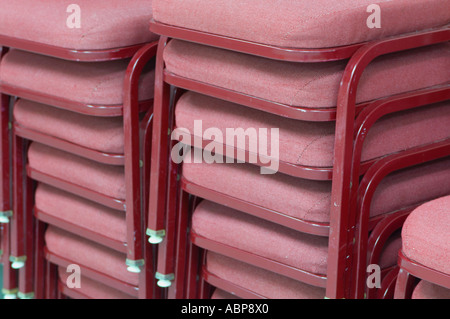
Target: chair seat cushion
[(427, 290), (222, 294), (104, 134), (81, 212), (263, 282), (426, 234), (98, 83), (89, 254), (311, 200), (108, 180), (103, 24), (312, 143), (260, 237), (301, 24), (313, 85), (93, 289)]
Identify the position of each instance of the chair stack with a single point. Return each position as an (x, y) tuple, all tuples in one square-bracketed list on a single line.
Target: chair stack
[(344, 97), (79, 80)]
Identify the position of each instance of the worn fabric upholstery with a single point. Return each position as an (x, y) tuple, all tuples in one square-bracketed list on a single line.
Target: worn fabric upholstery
[(302, 23), (426, 234), (313, 85), (98, 83), (103, 24)]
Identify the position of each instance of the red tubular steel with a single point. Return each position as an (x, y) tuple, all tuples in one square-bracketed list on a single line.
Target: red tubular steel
[(342, 222), (411, 271), (160, 145), (377, 240), (70, 54), (18, 236), (132, 153), (366, 120), (368, 187), (258, 49), (40, 262), (5, 148)]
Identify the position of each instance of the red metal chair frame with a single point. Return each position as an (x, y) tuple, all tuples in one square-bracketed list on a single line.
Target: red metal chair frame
[(131, 159), (368, 247), (9, 275), (383, 226), (345, 113), (365, 121), (411, 271)]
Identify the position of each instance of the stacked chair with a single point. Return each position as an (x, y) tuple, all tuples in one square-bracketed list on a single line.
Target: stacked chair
[(82, 100), (433, 159), (343, 96), (424, 258)]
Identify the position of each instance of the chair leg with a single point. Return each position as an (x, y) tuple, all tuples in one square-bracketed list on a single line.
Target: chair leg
[(10, 287), (5, 149), (132, 147), (160, 152), (193, 271), (18, 235), (166, 250), (135, 260), (26, 274), (51, 279), (387, 289), (178, 288), (40, 262), (405, 285)]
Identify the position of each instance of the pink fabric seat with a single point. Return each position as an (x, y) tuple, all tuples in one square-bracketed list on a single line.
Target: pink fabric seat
[(312, 143), (263, 238), (93, 289), (98, 83), (222, 294), (260, 281), (426, 234), (104, 24), (89, 254), (108, 180), (314, 85), (81, 212), (427, 290), (311, 200), (301, 24), (103, 134)]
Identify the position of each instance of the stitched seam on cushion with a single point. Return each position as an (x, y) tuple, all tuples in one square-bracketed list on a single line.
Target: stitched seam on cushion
[(307, 146), (297, 27), (304, 86), (308, 212)]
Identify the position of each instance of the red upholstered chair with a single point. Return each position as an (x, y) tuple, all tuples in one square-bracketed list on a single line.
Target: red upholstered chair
[(371, 235), (95, 261), (76, 82), (226, 228), (252, 69), (425, 253)]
